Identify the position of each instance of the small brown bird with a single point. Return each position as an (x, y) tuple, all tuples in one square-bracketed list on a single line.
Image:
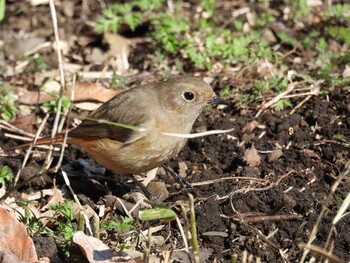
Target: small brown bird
[(171, 106)]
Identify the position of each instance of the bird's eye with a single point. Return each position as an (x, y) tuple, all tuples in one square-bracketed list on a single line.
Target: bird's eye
[(188, 96)]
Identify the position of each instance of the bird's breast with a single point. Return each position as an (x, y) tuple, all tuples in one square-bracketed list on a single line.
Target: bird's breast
[(138, 156)]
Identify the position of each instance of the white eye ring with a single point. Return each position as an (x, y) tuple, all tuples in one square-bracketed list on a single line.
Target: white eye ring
[(187, 96)]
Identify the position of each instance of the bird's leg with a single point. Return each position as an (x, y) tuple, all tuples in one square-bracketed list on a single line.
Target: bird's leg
[(89, 170), (177, 177), (143, 188)]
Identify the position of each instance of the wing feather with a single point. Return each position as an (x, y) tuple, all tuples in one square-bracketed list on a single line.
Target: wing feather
[(129, 108)]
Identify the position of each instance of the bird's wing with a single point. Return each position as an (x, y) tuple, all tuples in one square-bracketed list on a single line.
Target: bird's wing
[(128, 108)]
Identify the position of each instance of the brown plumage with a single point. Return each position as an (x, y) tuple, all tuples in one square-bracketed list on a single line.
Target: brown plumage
[(171, 106)]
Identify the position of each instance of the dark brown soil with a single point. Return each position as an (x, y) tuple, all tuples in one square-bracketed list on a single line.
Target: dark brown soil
[(306, 171), (265, 210)]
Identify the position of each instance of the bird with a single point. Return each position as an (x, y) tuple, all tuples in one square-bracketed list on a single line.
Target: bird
[(128, 133)]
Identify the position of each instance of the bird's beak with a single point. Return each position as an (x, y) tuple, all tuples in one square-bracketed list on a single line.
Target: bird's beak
[(218, 100)]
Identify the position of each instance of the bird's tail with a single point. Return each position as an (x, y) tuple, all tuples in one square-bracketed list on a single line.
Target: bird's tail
[(47, 140)]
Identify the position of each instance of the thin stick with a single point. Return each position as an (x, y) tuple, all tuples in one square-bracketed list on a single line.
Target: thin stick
[(37, 48), (55, 169), (41, 127), (277, 98), (322, 252), (182, 233), (196, 135), (60, 66), (300, 104), (223, 179), (57, 39), (42, 170), (9, 127), (87, 223), (18, 137)]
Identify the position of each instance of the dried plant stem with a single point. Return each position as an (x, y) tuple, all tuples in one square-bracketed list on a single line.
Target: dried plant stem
[(182, 233), (275, 99), (66, 180), (57, 39), (320, 251), (223, 179), (166, 256), (300, 104), (244, 256), (17, 137), (9, 127), (60, 66), (41, 127), (195, 135), (58, 165)]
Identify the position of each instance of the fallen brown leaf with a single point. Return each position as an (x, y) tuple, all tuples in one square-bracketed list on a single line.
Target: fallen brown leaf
[(57, 198), (33, 98), (88, 106), (87, 91), (25, 123), (251, 126), (251, 157), (159, 190), (14, 237), (274, 155), (311, 154), (83, 91), (94, 249)]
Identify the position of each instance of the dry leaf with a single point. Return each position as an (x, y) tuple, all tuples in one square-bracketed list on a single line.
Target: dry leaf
[(251, 126), (33, 98), (57, 198), (251, 157), (37, 195), (137, 198), (130, 256), (83, 91), (94, 249), (89, 106), (14, 237), (311, 154), (88, 211), (158, 189), (25, 123), (274, 155), (122, 205), (86, 91), (150, 176), (182, 169)]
